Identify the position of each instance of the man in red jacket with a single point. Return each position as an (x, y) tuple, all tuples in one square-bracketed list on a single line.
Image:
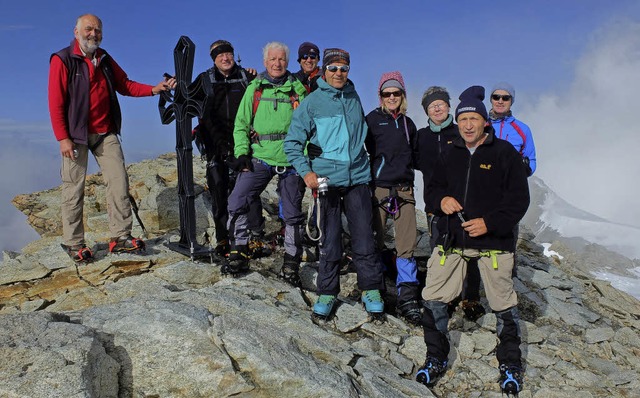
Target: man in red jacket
[(85, 115)]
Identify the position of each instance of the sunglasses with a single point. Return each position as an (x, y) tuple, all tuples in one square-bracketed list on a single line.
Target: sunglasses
[(497, 97), (312, 56), (334, 68), (387, 94)]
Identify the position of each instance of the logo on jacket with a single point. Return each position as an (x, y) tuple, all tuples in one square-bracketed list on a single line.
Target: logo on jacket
[(485, 166)]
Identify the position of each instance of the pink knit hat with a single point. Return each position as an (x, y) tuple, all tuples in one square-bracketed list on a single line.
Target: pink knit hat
[(391, 79)]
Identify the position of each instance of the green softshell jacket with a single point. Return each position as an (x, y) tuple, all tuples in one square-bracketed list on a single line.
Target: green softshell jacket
[(271, 118)]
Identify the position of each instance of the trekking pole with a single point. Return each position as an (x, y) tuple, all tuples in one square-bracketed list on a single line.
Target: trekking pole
[(134, 207)]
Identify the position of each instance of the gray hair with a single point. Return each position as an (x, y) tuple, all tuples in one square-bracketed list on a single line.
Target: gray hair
[(435, 93), (87, 15), (275, 45)]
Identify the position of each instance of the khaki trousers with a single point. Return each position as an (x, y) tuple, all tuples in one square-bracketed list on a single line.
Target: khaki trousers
[(444, 282), (73, 172), (404, 222)]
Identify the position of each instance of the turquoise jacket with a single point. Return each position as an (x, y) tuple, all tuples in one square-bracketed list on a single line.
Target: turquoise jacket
[(333, 120), (271, 120)]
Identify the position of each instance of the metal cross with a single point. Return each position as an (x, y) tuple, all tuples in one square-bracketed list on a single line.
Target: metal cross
[(188, 101)]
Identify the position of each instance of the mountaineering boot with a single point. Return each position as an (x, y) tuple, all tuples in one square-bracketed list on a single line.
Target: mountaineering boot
[(222, 248), (473, 310), (258, 247), (238, 261), (126, 243), (411, 311), (290, 270), (432, 369), (510, 379), (372, 301), (78, 253), (323, 307)]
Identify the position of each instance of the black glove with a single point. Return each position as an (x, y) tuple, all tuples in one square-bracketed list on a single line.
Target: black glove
[(313, 151), (527, 165), (242, 162)]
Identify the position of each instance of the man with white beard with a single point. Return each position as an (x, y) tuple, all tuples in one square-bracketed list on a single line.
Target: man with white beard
[(85, 116)]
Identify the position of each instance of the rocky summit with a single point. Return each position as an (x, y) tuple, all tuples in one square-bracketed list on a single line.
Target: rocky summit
[(161, 325)]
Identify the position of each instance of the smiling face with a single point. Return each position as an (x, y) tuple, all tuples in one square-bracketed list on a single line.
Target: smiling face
[(338, 78), (224, 62), (309, 64), (88, 32), (471, 127), (438, 112), (276, 62), (501, 106), (391, 98)]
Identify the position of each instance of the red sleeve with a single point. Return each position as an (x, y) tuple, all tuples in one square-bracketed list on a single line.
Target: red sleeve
[(128, 87), (57, 97)]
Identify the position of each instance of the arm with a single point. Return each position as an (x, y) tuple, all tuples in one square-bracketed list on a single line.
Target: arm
[(58, 79), (529, 148), (134, 89), (300, 130), (242, 125)]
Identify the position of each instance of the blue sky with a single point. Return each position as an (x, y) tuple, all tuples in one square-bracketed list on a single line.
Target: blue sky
[(575, 66)]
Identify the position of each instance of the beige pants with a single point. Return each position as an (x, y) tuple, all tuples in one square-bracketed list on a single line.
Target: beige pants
[(444, 282), (404, 222), (73, 172)]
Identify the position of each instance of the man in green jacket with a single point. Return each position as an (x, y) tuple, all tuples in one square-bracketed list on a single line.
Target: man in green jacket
[(261, 125)]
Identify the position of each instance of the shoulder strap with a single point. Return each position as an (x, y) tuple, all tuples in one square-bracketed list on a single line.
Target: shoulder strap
[(212, 75), (521, 133)]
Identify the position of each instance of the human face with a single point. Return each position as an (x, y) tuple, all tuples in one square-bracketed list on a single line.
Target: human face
[(471, 126), (88, 32), (309, 64), (438, 111), (501, 107), (224, 62), (276, 62), (393, 102), (338, 78)]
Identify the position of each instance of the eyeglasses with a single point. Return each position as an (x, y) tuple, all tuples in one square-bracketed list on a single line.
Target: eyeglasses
[(497, 97), (334, 68), (436, 107), (387, 94), (312, 56)]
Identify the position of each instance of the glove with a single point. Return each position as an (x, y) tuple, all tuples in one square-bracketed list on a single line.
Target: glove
[(526, 162), (313, 151), (240, 163)]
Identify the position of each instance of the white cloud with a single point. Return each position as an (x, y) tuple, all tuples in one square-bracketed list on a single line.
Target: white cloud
[(586, 137)]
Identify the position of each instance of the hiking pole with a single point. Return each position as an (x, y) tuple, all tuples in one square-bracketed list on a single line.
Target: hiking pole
[(134, 207)]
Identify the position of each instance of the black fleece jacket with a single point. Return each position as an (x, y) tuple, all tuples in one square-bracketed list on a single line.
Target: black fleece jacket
[(490, 184), (392, 149)]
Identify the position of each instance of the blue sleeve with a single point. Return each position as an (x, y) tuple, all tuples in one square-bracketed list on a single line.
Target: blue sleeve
[(295, 142), (529, 148)]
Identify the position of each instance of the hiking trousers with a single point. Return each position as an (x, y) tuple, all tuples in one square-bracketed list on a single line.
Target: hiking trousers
[(110, 159), (404, 221), (358, 211), (249, 186)]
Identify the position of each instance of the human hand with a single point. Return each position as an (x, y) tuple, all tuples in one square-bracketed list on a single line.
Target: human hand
[(450, 205), (169, 83), (475, 227), (313, 151), (251, 71), (67, 148), (311, 179)]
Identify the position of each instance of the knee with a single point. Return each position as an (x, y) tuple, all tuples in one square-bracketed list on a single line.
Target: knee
[(436, 314), (507, 321)]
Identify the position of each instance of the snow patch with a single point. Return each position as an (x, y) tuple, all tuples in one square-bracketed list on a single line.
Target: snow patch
[(626, 284), (548, 253)]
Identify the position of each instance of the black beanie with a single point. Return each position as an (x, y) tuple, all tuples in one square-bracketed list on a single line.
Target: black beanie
[(332, 55), (471, 101), (308, 48)]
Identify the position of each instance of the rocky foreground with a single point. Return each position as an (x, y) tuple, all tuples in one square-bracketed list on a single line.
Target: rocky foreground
[(161, 325)]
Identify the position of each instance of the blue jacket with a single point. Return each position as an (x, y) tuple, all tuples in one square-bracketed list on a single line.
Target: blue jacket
[(505, 130), (333, 120)]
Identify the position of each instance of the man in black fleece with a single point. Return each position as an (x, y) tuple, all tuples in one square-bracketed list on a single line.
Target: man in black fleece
[(481, 191)]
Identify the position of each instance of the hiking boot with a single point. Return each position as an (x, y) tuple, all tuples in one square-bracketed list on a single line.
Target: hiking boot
[(473, 310), (126, 243), (238, 261), (258, 247), (324, 305), (411, 312), (78, 253), (222, 248), (432, 369), (510, 379), (372, 301), (290, 269)]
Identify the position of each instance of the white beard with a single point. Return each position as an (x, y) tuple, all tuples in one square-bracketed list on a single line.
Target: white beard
[(90, 46)]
